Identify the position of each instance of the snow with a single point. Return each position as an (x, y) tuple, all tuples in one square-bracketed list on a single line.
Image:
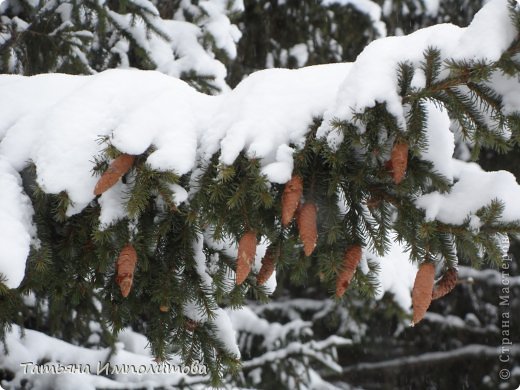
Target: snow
[(58, 125), (134, 342), (226, 35), (55, 121), (396, 275), (112, 204), (489, 276), (271, 108), (34, 347), (175, 47), (432, 7), (222, 324), (427, 359), (509, 88), (373, 76), (180, 52), (188, 55), (474, 189), (245, 320), (179, 193), (301, 53), (368, 7), (225, 332), (441, 141), (15, 224)]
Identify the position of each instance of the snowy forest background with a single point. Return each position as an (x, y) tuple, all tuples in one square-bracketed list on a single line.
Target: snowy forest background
[(291, 334)]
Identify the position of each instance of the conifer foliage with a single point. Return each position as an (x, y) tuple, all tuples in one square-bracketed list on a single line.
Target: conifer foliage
[(86, 37), (171, 251)]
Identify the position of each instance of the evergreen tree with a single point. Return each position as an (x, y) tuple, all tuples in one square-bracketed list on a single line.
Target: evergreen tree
[(184, 273), (180, 38)]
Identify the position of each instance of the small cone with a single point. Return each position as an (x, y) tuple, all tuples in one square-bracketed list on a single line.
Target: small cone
[(246, 256), (446, 284), (117, 169), (350, 263), (164, 309), (268, 266), (422, 291), (291, 196), (125, 269), (307, 227), (399, 161)]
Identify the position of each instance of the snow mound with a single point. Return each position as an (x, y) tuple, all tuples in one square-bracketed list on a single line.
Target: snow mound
[(16, 225), (373, 76)]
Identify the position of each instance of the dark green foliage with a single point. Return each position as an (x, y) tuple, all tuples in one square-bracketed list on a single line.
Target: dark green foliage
[(86, 37), (272, 30), (72, 271)]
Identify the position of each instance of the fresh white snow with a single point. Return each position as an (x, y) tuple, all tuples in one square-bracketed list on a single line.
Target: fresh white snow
[(373, 79), (16, 225), (55, 121)]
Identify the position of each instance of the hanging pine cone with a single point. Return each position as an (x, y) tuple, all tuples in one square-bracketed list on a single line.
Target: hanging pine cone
[(268, 266), (246, 256), (164, 308), (422, 291), (117, 169), (399, 161), (291, 196), (350, 263), (307, 227), (446, 284), (125, 269)]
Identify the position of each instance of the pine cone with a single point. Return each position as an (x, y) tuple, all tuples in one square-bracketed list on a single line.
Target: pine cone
[(117, 169), (308, 227), (399, 161), (125, 269), (268, 266), (291, 196), (422, 291), (446, 284), (350, 263), (164, 308), (246, 256)]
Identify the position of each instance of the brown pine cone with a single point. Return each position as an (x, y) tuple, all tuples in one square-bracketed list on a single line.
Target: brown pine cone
[(246, 256), (350, 263), (125, 269), (268, 266), (399, 161), (307, 226), (422, 291), (446, 284), (117, 169), (291, 196)]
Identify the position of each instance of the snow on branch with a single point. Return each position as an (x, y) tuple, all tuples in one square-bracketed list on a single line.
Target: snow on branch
[(430, 358), (28, 348), (55, 121), (486, 38), (61, 128)]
